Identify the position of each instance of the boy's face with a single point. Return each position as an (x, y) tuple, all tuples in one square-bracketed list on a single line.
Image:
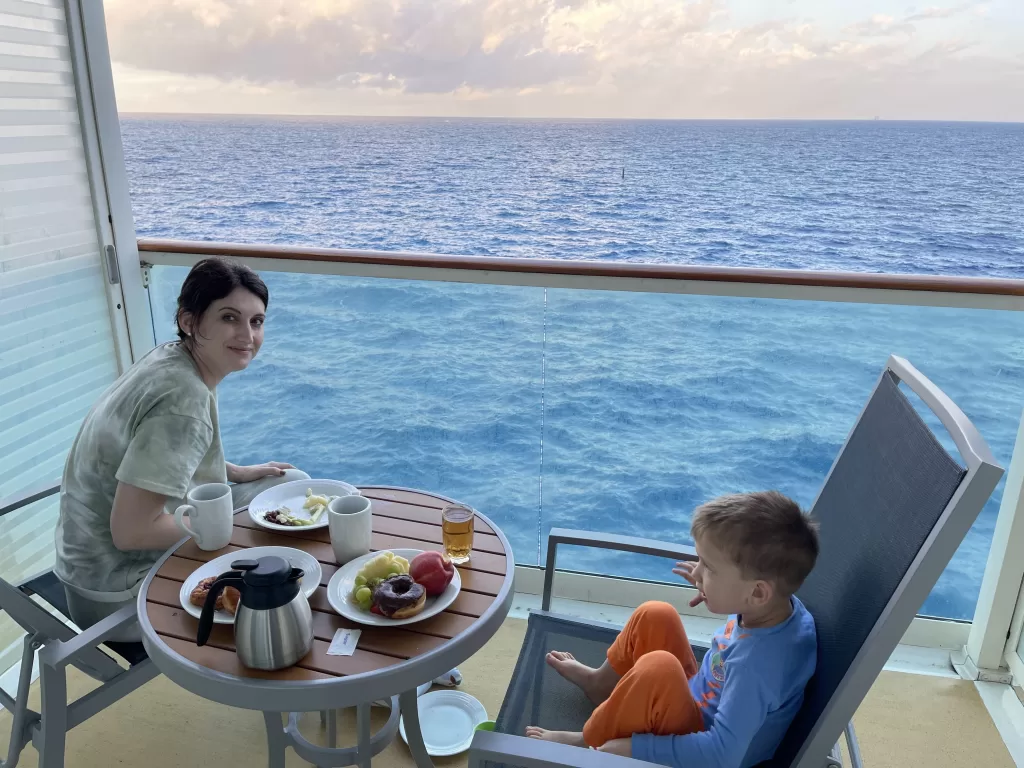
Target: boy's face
[(722, 584)]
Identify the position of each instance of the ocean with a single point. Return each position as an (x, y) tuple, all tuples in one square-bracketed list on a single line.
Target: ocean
[(612, 411)]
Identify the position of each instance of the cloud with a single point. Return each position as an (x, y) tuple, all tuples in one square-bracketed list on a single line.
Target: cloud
[(935, 12), (879, 25), (428, 47), (640, 58), (883, 24)]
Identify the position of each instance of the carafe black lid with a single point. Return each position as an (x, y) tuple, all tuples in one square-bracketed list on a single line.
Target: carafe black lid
[(267, 571)]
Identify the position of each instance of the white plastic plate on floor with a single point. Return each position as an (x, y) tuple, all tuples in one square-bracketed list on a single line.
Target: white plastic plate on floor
[(447, 720), (293, 495), (339, 593), (299, 559)]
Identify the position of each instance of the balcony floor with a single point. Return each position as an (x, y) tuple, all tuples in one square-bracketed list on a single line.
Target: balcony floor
[(907, 719)]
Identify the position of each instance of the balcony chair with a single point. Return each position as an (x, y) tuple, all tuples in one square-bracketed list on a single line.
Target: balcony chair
[(893, 509), (58, 645)]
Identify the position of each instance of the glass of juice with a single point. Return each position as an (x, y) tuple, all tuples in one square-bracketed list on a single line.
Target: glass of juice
[(457, 532)]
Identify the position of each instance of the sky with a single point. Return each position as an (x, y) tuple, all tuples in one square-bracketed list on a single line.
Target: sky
[(798, 59)]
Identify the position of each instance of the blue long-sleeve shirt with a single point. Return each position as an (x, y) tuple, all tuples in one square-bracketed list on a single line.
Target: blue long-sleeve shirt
[(749, 687)]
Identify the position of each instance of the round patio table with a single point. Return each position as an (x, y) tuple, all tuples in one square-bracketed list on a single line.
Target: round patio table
[(388, 663)]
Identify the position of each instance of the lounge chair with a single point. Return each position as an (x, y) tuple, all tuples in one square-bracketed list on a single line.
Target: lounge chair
[(893, 509), (59, 645)]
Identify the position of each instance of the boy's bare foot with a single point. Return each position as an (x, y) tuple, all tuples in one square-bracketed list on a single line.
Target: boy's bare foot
[(597, 684), (572, 738)]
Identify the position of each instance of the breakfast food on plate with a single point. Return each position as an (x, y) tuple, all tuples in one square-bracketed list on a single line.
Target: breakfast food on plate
[(227, 600), (433, 570), (283, 516), (314, 504), (391, 586), (202, 589), (399, 597), (370, 576), (229, 597)]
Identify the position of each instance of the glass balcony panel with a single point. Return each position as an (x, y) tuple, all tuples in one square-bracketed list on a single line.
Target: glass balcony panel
[(655, 403), (624, 410), (435, 386)]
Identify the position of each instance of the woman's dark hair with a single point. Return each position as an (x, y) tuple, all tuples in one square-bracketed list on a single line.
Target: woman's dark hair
[(212, 279)]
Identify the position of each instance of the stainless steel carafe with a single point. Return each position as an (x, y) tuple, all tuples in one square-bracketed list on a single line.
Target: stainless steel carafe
[(273, 622)]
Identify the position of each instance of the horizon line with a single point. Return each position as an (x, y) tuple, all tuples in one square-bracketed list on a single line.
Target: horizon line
[(321, 116)]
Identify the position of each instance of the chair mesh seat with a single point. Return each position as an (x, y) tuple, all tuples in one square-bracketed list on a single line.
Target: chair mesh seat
[(537, 694), (49, 587)]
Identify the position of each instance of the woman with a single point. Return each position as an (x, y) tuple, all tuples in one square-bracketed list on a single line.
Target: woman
[(153, 436)]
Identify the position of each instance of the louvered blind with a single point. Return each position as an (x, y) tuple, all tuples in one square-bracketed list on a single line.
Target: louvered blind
[(56, 340)]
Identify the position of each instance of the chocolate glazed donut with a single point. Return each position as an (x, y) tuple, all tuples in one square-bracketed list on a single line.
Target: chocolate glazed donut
[(399, 597)]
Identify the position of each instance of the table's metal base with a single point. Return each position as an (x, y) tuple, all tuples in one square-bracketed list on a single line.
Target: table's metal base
[(280, 738), (409, 703)]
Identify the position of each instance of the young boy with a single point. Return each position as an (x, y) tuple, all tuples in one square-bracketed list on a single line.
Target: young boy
[(655, 704)]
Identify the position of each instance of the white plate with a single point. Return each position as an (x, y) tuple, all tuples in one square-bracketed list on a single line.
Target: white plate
[(293, 496), (339, 593), (222, 564), (447, 720)]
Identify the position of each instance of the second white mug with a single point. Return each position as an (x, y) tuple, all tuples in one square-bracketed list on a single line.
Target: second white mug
[(210, 515), (351, 525)]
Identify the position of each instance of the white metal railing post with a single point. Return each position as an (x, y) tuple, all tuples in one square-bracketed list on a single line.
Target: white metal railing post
[(982, 658)]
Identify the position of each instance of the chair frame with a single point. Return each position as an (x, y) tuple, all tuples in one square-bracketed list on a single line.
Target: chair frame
[(821, 747), (58, 646)]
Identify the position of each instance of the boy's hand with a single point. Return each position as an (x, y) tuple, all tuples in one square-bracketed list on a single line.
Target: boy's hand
[(623, 747), (685, 569)]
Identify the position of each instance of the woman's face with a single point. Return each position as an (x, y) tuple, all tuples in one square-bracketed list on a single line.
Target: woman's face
[(230, 332)]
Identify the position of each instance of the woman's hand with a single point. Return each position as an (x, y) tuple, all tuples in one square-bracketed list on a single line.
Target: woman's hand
[(685, 569), (623, 747), (238, 474)]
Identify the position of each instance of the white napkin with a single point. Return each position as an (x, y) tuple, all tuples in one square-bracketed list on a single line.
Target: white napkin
[(344, 642)]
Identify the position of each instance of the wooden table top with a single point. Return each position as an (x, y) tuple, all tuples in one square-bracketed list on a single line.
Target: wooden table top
[(401, 519)]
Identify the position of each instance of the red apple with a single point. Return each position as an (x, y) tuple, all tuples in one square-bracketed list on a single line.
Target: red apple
[(433, 570)]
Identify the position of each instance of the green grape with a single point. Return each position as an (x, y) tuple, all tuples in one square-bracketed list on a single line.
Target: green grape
[(360, 581), (364, 595), (395, 569)]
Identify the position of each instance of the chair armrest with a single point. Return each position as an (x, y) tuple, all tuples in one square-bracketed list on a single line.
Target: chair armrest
[(59, 654), (534, 753), (41, 491), (606, 541)]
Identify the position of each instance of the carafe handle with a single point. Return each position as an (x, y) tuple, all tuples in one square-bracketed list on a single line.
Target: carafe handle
[(229, 579)]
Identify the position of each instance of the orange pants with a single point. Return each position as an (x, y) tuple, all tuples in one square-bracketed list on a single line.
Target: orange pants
[(653, 657)]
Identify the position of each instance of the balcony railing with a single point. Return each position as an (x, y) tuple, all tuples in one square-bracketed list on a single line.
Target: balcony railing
[(954, 291), (604, 395)]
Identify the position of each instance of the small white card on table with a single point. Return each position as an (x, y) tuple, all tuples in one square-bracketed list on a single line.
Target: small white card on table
[(344, 642)]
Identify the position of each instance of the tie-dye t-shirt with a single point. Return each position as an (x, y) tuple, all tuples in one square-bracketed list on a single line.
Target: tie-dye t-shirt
[(155, 428)]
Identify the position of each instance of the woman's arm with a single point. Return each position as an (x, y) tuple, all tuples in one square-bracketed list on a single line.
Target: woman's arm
[(137, 520), (237, 474)]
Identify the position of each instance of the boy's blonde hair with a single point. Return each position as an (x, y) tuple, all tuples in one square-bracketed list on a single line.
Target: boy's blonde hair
[(766, 535)]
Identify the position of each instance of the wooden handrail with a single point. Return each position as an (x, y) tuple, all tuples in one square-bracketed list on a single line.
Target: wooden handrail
[(797, 277)]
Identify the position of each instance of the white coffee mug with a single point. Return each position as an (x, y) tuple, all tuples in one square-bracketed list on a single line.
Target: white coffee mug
[(210, 514), (351, 526)]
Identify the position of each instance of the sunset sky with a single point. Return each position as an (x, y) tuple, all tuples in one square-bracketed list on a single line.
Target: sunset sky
[(572, 58)]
